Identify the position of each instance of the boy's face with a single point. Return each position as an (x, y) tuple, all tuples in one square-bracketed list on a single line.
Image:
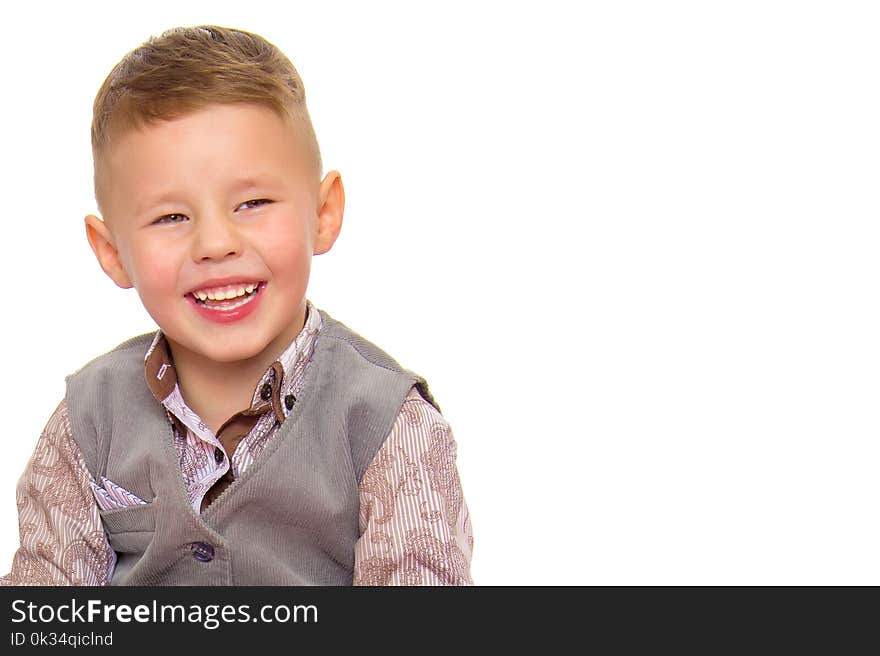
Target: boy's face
[(221, 199)]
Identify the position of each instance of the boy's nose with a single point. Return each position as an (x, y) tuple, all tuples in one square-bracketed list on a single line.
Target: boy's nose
[(215, 239)]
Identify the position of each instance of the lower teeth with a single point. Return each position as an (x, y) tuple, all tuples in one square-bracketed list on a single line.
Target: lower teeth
[(226, 306)]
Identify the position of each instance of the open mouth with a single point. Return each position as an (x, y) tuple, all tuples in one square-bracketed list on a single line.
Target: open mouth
[(230, 298)]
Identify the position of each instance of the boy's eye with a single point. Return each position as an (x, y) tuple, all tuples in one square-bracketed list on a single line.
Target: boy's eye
[(248, 204), (180, 218), (171, 218)]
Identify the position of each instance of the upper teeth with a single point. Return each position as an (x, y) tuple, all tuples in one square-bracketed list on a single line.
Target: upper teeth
[(222, 293)]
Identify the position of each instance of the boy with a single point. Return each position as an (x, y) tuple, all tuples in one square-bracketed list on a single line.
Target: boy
[(252, 439)]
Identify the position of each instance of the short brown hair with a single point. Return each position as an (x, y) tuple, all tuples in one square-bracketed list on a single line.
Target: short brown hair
[(189, 68)]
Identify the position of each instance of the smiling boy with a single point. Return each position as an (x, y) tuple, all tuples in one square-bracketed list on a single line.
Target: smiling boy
[(252, 439), (177, 248)]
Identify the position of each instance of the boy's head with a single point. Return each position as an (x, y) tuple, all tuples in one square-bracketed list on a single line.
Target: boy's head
[(208, 175)]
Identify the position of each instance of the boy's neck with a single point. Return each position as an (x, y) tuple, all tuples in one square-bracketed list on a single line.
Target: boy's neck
[(216, 391)]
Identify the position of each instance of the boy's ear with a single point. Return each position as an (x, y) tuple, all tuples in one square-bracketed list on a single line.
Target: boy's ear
[(331, 203), (103, 246)]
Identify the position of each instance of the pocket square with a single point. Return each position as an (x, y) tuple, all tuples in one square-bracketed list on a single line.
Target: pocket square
[(111, 496)]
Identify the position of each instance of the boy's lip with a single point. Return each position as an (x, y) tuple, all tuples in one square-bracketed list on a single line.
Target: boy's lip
[(223, 282), (238, 312)]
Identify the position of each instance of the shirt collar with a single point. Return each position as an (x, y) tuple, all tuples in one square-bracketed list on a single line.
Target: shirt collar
[(282, 376)]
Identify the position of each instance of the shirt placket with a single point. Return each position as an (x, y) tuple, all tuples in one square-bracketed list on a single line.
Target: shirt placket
[(237, 428), (200, 437)]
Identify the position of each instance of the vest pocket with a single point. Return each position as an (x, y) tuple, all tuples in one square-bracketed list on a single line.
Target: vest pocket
[(129, 530)]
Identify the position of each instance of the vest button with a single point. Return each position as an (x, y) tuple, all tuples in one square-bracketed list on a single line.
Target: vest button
[(218, 455), (202, 551), (266, 391), (289, 400)]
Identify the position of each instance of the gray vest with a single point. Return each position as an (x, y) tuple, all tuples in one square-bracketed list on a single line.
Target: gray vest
[(290, 519)]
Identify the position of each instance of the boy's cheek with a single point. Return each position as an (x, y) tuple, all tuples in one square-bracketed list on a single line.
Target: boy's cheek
[(288, 251), (155, 282)]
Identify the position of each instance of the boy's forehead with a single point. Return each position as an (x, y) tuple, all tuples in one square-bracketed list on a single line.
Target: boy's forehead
[(231, 122), (216, 121), (154, 161)]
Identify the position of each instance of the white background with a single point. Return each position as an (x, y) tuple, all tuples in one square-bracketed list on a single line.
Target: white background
[(632, 246)]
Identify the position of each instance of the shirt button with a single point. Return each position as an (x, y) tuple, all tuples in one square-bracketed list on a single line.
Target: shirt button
[(289, 400), (202, 551), (218, 455), (266, 391)]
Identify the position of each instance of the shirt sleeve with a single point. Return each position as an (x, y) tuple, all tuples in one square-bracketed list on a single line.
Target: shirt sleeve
[(61, 534), (414, 523)]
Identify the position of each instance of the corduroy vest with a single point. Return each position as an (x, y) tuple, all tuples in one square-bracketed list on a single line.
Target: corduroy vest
[(290, 519)]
